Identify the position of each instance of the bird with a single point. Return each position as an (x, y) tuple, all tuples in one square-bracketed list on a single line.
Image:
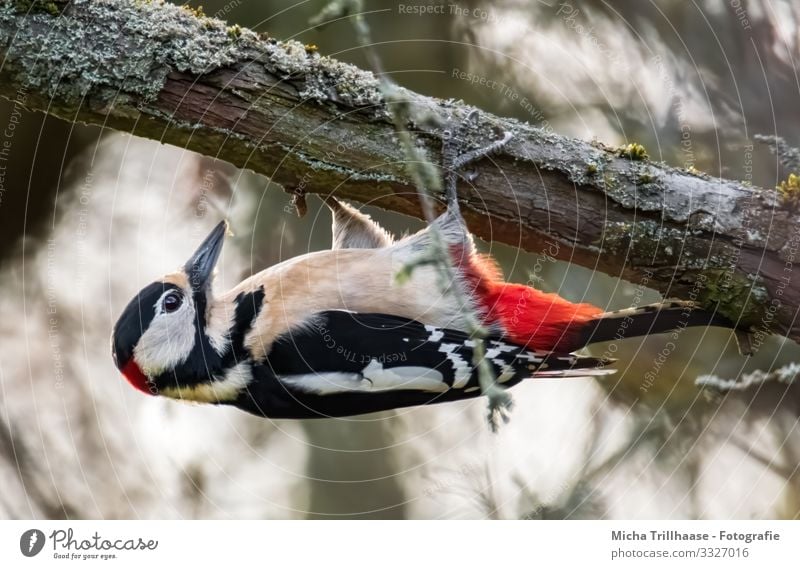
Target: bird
[(334, 334)]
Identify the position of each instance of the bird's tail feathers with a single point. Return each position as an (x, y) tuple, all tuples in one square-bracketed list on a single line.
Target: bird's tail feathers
[(571, 366), (651, 319)]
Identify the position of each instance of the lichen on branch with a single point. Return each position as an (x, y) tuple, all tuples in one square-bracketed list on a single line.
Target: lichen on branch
[(309, 121)]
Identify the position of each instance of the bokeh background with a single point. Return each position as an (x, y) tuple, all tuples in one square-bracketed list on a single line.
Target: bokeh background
[(89, 216)]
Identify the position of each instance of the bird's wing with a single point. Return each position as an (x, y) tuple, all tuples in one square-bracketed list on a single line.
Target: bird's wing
[(340, 352)]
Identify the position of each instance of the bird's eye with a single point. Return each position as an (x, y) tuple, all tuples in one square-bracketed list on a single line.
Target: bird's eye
[(172, 302)]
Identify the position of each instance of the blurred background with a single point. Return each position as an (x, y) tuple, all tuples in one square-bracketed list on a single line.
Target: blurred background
[(89, 216)]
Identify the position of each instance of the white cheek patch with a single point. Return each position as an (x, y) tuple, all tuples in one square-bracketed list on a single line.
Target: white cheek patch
[(226, 388), (373, 378), (168, 340)]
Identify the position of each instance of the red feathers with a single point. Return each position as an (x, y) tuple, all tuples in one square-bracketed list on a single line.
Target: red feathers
[(136, 378), (529, 317)]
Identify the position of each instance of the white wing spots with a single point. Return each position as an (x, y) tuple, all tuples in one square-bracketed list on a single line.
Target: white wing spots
[(573, 373), (226, 388), (461, 368), (436, 334), (471, 389), (325, 383), (507, 374), (500, 346), (403, 377), (495, 354), (497, 349), (373, 378), (529, 356)]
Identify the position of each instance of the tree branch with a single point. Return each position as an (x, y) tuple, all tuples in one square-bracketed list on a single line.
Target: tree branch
[(316, 125)]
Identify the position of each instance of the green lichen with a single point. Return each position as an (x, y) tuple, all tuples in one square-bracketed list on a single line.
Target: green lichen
[(587, 171), (633, 151), (646, 242), (91, 53), (234, 31), (645, 178), (643, 174), (789, 190), (740, 298), (339, 172), (610, 182), (34, 6), (196, 12), (131, 47)]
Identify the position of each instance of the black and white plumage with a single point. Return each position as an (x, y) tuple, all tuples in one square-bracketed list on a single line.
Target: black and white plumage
[(333, 333), (334, 363), (177, 340), (344, 363), (307, 339)]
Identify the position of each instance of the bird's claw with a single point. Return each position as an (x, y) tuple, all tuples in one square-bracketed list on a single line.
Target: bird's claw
[(500, 404), (453, 159)]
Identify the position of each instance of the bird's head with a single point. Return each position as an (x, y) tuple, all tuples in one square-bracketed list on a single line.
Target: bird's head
[(165, 322)]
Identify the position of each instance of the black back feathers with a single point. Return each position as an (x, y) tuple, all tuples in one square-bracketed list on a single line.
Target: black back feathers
[(343, 363)]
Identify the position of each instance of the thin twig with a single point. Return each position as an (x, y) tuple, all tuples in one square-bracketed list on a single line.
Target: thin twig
[(426, 177), (788, 156)]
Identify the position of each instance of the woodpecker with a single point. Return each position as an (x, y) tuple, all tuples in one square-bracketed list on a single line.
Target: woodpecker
[(332, 333)]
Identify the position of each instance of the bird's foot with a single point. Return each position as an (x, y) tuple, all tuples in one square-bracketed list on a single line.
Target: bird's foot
[(454, 139), (500, 404), (454, 158)]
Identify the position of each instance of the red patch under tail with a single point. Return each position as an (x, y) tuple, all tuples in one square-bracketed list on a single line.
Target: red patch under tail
[(529, 317)]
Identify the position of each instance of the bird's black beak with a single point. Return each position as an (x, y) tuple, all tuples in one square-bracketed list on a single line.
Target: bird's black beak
[(200, 266)]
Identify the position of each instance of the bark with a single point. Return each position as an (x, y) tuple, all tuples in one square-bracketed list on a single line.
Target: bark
[(316, 125)]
